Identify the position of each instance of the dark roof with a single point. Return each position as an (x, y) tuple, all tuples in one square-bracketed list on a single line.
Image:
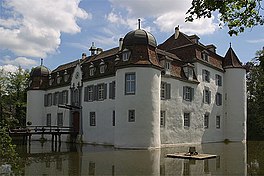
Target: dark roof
[(139, 37), (231, 60), (40, 71), (66, 66)]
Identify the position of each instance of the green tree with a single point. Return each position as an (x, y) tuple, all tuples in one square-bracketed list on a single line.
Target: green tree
[(236, 14), (255, 87)]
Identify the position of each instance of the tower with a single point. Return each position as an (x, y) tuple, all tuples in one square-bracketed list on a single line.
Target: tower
[(38, 82), (138, 78), (235, 97)]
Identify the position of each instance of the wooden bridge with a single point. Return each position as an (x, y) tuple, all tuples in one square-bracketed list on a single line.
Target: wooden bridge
[(55, 132)]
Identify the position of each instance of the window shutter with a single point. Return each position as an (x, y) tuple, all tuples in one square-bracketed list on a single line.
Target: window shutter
[(66, 91), (53, 98), (95, 93), (105, 91), (113, 89), (208, 76), (204, 96), (192, 94), (110, 90), (216, 99), (86, 93), (168, 91), (60, 98), (184, 92), (45, 100), (203, 74), (209, 97)]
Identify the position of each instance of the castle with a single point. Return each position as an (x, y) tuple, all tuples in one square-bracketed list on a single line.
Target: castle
[(144, 95)]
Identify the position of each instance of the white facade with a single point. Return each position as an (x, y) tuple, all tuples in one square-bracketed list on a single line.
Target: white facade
[(140, 104)]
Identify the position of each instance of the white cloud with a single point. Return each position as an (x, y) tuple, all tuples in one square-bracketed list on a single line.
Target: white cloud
[(165, 14), (20, 61), (8, 68), (35, 27), (256, 41)]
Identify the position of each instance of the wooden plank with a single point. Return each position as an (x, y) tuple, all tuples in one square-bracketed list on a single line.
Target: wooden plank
[(186, 156)]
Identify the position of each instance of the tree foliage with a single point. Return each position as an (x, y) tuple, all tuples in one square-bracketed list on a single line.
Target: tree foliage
[(13, 96), (236, 14), (255, 87)]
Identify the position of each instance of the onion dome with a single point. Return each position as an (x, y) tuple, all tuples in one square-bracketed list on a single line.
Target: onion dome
[(40, 71), (139, 37)]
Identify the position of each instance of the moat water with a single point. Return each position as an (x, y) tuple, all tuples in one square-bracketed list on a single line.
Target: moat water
[(73, 159)]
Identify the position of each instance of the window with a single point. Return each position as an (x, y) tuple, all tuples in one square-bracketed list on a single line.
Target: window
[(205, 56), (60, 119), (49, 99), (206, 75), (186, 119), (59, 80), (126, 55), (162, 118), (207, 96), (218, 80), (90, 93), (76, 97), (113, 116), (112, 88), (65, 97), (217, 121), (165, 91), (206, 120), (48, 122), (92, 70), (60, 98), (218, 99), (188, 71), (92, 119), (167, 65), (130, 84), (100, 91), (131, 116), (188, 93), (102, 68)]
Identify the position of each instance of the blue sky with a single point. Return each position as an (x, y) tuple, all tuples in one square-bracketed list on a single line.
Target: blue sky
[(60, 31)]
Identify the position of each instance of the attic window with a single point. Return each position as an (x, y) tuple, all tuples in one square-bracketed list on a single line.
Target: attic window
[(167, 67), (102, 67), (92, 69), (126, 55), (205, 56), (66, 76), (188, 71)]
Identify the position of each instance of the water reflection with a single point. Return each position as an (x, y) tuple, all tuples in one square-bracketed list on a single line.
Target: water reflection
[(99, 160)]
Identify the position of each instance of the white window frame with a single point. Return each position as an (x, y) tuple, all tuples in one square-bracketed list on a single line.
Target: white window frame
[(92, 119), (92, 71), (205, 56), (162, 118), (218, 80), (102, 69), (49, 97), (218, 121), (206, 75), (130, 83), (206, 120), (126, 55), (100, 91), (187, 119), (90, 93)]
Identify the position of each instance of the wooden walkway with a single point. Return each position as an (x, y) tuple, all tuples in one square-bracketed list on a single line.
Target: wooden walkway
[(27, 132)]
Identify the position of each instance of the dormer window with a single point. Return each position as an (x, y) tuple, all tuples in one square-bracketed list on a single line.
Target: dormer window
[(92, 69), (102, 67), (167, 67), (126, 55), (205, 56), (50, 80), (66, 76), (188, 71)]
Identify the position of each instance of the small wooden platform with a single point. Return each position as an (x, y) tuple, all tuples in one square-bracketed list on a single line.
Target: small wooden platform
[(196, 157)]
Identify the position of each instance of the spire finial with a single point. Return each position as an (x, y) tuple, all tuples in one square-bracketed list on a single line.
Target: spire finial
[(41, 61), (230, 44), (138, 23)]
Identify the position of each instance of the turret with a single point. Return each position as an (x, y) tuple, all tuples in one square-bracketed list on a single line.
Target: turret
[(138, 108), (235, 97)]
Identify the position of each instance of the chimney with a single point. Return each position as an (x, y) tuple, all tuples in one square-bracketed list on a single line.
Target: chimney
[(177, 32), (83, 56), (120, 44), (211, 48), (194, 39), (92, 49)]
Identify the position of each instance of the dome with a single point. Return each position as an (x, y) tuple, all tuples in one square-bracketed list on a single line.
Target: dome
[(139, 37), (40, 71)]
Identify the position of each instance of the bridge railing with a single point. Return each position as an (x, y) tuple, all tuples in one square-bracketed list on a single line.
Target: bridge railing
[(42, 129)]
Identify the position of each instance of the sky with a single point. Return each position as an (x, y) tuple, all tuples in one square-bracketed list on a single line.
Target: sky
[(59, 31)]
